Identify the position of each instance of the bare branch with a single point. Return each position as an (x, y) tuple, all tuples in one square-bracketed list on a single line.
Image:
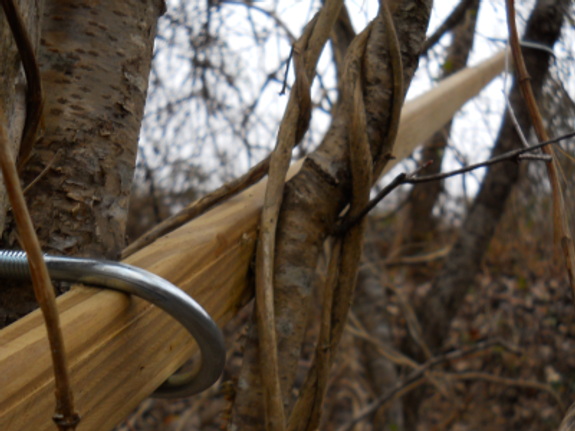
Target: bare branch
[(200, 206), (452, 20), (403, 178), (418, 377)]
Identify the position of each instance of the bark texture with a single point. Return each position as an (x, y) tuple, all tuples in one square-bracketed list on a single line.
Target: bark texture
[(314, 199), (95, 60), (14, 302)]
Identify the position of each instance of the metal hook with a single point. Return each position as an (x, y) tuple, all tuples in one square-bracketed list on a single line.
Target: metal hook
[(136, 281)]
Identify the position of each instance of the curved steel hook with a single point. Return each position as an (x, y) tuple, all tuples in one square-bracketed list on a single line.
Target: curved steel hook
[(136, 281)]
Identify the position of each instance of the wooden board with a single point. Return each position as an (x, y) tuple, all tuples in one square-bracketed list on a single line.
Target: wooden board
[(120, 349)]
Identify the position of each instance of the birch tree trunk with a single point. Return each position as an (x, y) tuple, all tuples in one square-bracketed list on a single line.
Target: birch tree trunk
[(95, 60)]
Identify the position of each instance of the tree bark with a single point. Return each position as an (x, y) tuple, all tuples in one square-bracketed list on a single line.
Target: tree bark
[(13, 302), (13, 83), (80, 172), (314, 199)]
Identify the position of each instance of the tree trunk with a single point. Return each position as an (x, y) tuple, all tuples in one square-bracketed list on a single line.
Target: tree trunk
[(13, 83), (419, 226), (80, 172), (463, 262), (15, 302), (314, 199)]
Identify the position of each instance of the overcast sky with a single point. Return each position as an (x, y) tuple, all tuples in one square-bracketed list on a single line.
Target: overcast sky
[(186, 135)]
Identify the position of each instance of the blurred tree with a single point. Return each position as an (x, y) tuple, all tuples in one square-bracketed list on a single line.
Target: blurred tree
[(419, 225), (463, 263)]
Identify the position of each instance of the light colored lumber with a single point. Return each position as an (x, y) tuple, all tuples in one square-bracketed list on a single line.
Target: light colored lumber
[(424, 116), (121, 349)]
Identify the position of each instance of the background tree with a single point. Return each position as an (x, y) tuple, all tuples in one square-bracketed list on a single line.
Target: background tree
[(420, 226)]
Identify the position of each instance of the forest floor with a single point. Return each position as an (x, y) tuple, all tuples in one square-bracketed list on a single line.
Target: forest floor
[(503, 390), (521, 297)]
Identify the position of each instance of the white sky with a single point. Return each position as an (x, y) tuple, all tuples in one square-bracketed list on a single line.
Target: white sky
[(474, 129)]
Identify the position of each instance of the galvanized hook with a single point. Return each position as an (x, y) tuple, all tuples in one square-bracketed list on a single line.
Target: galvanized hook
[(136, 281)]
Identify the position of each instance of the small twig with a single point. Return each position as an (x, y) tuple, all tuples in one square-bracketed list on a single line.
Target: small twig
[(65, 415), (404, 178), (356, 329), (44, 171), (538, 45), (508, 105), (536, 157), (420, 258), (340, 229), (288, 62), (477, 375), (413, 324), (269, 13)]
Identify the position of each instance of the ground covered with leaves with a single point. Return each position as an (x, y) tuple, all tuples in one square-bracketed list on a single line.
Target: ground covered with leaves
[(521, 298)]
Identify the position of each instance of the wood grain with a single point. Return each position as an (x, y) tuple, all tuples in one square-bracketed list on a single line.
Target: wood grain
[(120, 348)]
